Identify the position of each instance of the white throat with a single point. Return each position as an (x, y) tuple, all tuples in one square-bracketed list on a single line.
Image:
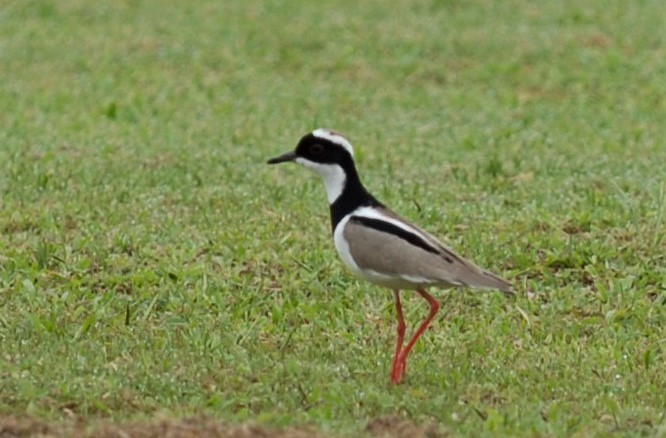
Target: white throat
[(333, 175)]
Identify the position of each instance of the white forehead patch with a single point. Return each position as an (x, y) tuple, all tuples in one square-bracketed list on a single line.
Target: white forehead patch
[(335, 138)]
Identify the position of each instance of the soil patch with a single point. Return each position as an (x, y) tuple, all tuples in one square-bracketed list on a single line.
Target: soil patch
[(381, 427)]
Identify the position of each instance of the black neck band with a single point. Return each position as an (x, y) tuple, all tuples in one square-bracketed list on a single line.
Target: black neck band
[(353, 196)]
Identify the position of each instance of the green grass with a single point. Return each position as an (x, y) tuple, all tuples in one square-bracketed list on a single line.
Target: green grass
[(151, 262)]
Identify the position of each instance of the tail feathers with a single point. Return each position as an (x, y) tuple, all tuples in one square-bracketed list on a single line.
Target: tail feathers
[(499, 283), (482, 279)]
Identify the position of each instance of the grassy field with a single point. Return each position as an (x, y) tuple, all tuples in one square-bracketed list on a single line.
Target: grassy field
[(151, 264)]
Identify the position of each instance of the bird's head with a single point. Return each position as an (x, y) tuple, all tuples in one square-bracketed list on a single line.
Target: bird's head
[(327, 153)]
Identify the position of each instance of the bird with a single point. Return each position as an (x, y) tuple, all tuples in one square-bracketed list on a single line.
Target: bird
[(379, 246)]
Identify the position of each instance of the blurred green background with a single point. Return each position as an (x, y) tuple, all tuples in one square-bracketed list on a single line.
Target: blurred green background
[(151, 262)]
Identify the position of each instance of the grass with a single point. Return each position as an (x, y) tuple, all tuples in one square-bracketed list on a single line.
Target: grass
[(151, 263)]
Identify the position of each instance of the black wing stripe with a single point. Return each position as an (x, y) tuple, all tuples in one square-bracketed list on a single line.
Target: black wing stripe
[(387, 227)]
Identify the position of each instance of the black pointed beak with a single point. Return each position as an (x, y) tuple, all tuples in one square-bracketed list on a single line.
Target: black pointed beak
[(289, 156)]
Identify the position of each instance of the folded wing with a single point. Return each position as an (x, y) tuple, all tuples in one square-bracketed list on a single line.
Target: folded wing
[(392, 247)]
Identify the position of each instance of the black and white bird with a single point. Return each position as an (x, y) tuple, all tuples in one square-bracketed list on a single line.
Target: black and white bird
[(378, 245)]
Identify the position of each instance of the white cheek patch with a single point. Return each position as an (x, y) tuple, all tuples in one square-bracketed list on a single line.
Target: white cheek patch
[(334, 138), (333, 175)]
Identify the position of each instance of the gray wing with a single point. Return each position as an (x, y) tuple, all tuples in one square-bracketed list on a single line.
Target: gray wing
[(402, 254)]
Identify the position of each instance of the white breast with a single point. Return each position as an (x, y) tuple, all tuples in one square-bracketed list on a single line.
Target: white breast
[(343, 247)]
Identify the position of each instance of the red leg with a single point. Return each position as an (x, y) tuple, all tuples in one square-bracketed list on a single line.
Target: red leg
[(397, 371), (434, 308)]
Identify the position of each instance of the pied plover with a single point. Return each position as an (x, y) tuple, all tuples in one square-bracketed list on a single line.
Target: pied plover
[(378, 245)]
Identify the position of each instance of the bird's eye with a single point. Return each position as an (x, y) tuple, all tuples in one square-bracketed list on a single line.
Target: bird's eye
[(316, 149)]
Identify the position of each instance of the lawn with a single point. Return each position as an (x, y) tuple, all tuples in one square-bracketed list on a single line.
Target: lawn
[(152, 265)]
